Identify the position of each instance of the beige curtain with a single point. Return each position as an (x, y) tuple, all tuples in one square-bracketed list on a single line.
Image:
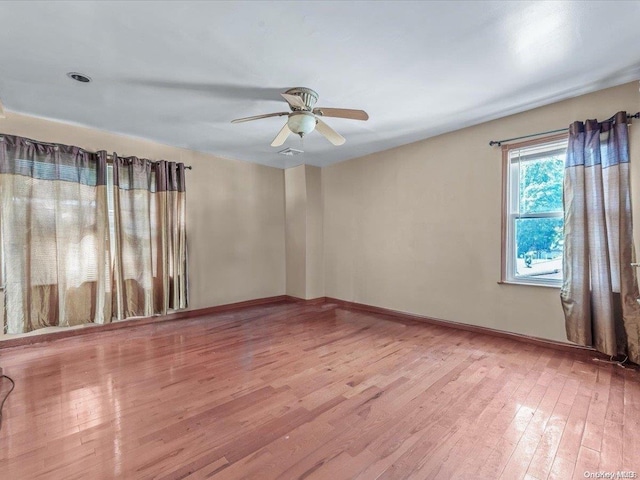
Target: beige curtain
[(150, 266), (600, 288), (55, 236)]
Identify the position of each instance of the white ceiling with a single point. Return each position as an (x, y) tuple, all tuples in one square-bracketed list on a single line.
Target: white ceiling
[(179, 72)]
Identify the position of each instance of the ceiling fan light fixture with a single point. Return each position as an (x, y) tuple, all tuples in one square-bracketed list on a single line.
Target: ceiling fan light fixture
[(301, 123)]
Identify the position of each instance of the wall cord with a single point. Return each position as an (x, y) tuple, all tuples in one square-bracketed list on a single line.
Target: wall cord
[(620, 363), (13, 385)]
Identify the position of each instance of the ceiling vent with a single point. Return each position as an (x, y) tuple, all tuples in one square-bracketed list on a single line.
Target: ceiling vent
[(290, 152)]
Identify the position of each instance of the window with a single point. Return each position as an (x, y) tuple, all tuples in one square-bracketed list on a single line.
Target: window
[(533, 219)]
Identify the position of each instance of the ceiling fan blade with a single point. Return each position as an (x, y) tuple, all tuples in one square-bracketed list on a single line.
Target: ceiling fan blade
[(294, 101), (282, 136), (257, 117), (226, 91), (341, 113), (329, 133)]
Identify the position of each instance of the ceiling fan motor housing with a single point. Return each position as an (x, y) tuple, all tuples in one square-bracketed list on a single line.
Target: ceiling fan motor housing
[(308, 96)]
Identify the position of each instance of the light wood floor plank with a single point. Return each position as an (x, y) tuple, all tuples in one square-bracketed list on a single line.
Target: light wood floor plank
[(292, 391)]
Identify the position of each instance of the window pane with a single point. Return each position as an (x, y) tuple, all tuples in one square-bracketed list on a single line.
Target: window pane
[(540, 186), (539, 248)]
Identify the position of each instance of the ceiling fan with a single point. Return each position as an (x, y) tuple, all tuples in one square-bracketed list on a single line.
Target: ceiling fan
[(304, 118)]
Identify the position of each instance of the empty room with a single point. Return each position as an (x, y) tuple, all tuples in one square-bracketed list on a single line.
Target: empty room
[(319, 240)]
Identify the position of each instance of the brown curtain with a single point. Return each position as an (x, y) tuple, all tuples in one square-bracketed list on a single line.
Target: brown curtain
[(600, 288), (55, 235), (150, 266)]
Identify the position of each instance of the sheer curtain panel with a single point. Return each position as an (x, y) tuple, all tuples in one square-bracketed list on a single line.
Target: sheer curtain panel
[(55, 235), (150, 267), (600, 287)]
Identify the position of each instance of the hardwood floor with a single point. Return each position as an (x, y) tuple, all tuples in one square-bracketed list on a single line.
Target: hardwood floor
[(290, 391)]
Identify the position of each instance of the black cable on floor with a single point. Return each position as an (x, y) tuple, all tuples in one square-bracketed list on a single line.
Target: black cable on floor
[(620, 363), (13, 385)]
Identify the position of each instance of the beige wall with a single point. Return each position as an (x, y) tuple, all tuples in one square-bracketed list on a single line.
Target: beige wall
[(314, 222), (235, 212), (304, 239), (417, 228), (296, 230)]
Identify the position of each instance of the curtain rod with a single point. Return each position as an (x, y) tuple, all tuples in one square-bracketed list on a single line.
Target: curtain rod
[(500, 142), (109, 156)]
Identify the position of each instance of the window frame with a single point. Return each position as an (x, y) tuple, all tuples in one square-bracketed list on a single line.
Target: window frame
[(508, 244)]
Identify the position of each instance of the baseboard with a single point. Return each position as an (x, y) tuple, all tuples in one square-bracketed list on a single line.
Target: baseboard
[(226, 307), (138, 322), (304, 301), (187, 314), (542, 342)]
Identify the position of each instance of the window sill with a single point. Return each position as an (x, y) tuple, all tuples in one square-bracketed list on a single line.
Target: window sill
[(526, 284)]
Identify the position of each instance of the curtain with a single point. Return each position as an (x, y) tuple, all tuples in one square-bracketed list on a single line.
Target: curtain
[(55, 236), (600, 288), (150, 266)]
